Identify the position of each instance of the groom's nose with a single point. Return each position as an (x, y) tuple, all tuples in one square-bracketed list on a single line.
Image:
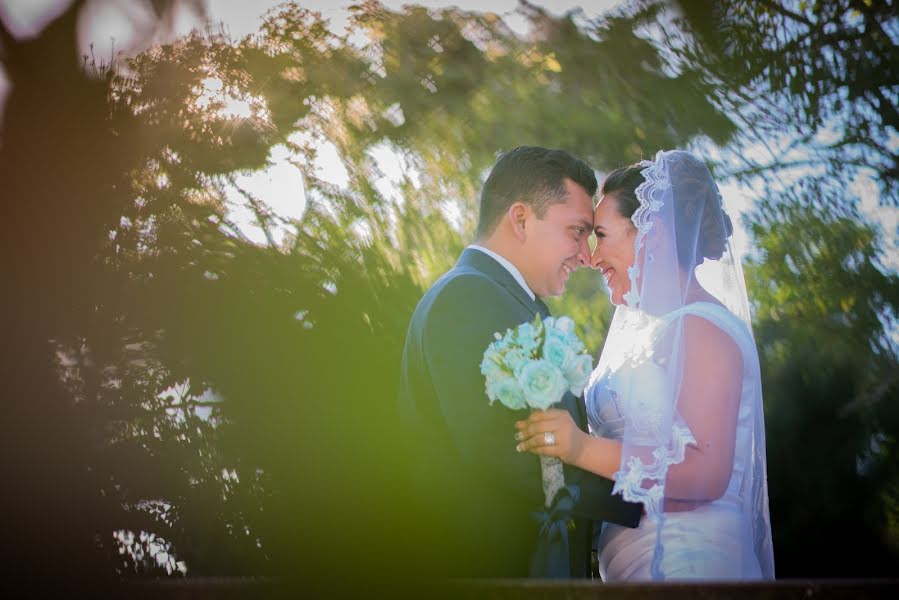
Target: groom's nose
[(583, 252)]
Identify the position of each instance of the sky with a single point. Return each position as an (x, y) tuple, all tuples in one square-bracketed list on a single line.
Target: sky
[(110, 24), (114, 18)]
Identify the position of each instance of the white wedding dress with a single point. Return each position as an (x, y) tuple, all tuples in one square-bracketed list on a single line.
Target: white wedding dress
[(715, 540)]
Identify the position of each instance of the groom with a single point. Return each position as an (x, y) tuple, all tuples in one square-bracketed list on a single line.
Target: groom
[(536, 216)]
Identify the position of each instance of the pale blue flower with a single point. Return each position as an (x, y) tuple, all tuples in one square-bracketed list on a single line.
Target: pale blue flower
[(564, 324), (557, 351), (490, 367), (577, 373), (535, 364), (527, 337), (556, 334), (543, 383), (510, 394), (491, 391), (577, 345), (515, 360)]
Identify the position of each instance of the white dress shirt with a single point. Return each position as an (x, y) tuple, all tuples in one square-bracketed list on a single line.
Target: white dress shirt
[(512, 269)]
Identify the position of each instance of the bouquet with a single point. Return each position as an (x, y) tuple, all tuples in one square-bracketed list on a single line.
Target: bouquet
[(532, 367)]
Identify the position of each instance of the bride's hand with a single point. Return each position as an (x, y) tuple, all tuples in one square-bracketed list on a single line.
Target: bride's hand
[(567, 438)]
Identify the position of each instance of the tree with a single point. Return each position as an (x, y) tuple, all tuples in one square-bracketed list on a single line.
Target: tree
[(58, 134), (815, 83), (824, 306)]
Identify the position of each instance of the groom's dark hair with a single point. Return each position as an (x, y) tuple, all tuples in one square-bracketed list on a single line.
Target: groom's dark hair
[(533, 175)]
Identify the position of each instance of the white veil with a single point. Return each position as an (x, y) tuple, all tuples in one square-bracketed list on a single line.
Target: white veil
[(683, 237)]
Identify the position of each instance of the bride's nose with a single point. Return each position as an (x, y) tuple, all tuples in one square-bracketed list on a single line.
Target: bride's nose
[(595, 258)]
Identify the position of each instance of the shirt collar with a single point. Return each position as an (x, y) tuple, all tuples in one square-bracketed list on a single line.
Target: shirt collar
[(512, 269)]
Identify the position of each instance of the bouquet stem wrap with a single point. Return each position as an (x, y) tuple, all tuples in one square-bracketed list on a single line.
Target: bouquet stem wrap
[(553, 477), (550, 559), (534, 366)]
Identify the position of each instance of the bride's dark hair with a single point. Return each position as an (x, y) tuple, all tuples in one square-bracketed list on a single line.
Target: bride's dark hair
[(697, 194)]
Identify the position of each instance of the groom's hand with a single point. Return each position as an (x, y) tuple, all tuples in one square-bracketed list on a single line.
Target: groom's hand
[(551, 433)]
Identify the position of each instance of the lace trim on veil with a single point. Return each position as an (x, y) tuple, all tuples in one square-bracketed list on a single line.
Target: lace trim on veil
[(655, 182), (629, 482), (638, 481), (630, 479)]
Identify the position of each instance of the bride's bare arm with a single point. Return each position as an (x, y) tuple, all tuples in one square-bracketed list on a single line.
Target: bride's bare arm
[(708, 401)]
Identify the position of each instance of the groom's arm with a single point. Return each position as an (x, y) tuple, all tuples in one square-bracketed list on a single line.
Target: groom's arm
[(459, 327), (596, 499)]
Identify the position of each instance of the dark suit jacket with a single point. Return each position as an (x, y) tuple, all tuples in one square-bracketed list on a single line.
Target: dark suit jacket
[(479, 493)]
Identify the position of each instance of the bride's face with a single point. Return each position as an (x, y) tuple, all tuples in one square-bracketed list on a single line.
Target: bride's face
[(614, 250)]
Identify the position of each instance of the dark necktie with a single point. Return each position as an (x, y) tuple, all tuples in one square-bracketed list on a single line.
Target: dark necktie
[(544, 309)]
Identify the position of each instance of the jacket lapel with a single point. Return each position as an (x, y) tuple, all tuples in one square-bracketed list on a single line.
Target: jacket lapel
[(476, 259)]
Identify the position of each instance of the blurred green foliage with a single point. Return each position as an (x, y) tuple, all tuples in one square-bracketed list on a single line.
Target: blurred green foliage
[(236, 399), (825, 322)]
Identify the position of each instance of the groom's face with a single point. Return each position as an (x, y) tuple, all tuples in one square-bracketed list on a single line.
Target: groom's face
[(558, 243)]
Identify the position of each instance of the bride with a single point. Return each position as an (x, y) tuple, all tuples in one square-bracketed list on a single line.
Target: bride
[(675, 403)]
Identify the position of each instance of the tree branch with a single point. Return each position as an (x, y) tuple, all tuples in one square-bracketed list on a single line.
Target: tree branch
[(788, 13), (872, 396), (262, 215), (212, 403), (887, 109)]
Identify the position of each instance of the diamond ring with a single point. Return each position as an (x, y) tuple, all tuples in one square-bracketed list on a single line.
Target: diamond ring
[(548, 438)]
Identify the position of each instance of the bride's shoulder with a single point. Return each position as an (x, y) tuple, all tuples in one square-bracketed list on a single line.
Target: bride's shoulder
[(706, 342), (716, 324), (698, 324)]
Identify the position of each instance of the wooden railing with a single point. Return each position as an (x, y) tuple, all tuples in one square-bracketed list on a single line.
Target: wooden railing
[(191, 588)]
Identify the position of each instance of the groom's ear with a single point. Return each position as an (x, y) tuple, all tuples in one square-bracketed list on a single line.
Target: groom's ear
[(517, 215)]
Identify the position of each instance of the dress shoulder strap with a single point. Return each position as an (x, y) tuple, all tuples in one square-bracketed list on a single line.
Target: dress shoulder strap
[(722, 318)]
